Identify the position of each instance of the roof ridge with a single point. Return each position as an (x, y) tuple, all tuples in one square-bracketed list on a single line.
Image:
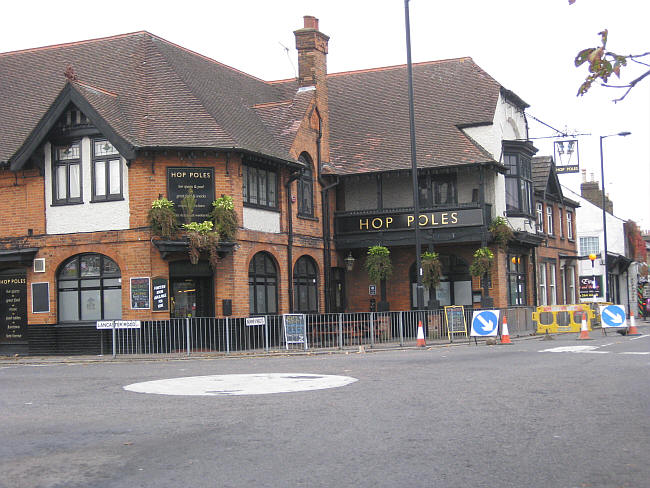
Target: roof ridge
[(398, 66), (95, 88), (75, 43), (272, 104)]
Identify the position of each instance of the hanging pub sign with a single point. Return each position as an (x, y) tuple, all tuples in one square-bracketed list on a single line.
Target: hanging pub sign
[(13, 308), (406, 221), (567, 157), (200, 181), (591, 286)]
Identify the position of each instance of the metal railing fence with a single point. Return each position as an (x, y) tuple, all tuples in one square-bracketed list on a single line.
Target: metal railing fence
[(323, 331)]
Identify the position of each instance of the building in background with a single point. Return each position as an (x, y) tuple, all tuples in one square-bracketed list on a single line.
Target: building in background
[(557, 257)]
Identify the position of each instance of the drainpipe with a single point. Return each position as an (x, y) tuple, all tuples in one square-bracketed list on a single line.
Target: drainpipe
[(293, 177), (327, 248)]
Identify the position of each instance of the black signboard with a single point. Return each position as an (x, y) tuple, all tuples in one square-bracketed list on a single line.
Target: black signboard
[(455, 318), (13, 308), (591, 286), (406, 221), (200, 181), (40, 297), (140, 293), (160, 294), (295, 329)]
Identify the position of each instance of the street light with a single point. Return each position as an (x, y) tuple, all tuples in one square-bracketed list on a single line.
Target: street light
[(602, 180)]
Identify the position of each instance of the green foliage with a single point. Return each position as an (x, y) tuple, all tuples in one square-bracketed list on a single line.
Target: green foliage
[(431, 269), (378, 264), (482, 262), (162, 218), (501, 231), (188, 203), (225, 218), (202, 239)]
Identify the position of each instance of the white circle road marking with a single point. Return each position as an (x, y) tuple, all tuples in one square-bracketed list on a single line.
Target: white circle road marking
[(591, 349), (240, 384)]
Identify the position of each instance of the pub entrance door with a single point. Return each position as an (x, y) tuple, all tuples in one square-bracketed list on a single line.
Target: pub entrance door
[(191, 288)]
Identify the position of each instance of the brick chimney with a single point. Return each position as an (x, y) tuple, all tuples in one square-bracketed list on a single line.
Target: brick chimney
[(312, 72), (591, 191), (312, 53)]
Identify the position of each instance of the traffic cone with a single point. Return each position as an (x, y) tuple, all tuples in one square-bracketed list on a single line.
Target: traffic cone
[(505, 335), (584, 330), (420, 342), (632, 330)]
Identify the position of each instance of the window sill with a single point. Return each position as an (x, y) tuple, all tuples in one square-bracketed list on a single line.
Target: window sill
[(261, 207), (65, 204), (307, 217), (115, 199)]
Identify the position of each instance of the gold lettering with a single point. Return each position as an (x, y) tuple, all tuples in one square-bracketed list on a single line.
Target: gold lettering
[(444, 218), (409, 220), (363, 224), (426, 220), (389, 220), (454, 217), (433, 220), (375, 225)]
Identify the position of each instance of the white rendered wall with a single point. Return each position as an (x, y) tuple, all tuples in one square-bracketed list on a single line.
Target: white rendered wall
[(261, 220), (87, 216)]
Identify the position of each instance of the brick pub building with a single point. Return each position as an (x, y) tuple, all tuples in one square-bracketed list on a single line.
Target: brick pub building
[(318, 168)]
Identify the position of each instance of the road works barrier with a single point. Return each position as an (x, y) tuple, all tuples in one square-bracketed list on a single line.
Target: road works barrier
[(562, 318)]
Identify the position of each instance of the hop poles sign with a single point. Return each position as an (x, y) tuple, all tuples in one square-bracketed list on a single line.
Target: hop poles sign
[(567, 157)]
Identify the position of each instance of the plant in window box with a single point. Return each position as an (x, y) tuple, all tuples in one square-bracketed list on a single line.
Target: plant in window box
[(482, 262), (202, 238), (378, 264), (501, 232), (225, 218), (162, 218), (431, 269), (188, 203)]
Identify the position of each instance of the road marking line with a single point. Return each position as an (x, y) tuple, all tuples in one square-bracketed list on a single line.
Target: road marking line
[(640, 337), (610, 344), (636, 353)]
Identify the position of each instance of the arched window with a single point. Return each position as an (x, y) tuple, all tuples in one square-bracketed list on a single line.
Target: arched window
[(305, 285), (262, 285), (89, 288), (306, 188)]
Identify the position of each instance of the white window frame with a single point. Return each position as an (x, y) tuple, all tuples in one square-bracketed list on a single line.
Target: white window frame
[(540, 217), (587, 246), (552, 288), (569, 225), (549, 220), (542, 298)]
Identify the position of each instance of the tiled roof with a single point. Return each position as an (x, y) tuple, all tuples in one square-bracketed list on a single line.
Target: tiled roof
[(154, 93), (369, 116), (541, 168)]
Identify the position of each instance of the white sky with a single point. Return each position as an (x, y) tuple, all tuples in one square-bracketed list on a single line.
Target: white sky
[(526, 45)]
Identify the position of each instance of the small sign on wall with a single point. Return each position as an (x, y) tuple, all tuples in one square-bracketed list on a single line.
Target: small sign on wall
[(140, 293), (372, 290), (160, 294)]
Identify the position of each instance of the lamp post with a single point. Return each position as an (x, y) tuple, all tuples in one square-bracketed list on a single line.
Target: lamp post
[(419, 303), (602, 180)]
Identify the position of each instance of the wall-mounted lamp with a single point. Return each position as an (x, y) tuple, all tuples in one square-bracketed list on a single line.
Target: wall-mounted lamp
[(515, 260), (349, 262), (592, 258)]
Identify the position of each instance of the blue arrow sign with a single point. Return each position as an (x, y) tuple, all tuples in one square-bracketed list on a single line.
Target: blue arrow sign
[(485, 323), (612, 316)]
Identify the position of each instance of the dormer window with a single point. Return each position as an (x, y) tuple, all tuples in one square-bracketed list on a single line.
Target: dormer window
[(107, 171), (66, 171), (519, 184)]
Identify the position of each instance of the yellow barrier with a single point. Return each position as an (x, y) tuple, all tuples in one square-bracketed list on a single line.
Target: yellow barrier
[(562, 318)]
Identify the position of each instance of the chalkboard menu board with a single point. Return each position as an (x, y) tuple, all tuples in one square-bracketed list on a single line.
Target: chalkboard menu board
[(40, 297), (160, 294), (200, 181), (295, 329), (140, 293), (13, 308), (455, 319)]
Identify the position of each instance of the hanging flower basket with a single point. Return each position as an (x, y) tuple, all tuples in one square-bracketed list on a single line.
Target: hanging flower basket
[(378, 264), (431, 269), (202, 238), (162, 218), (501, 232), (225, 218), (482, 262)]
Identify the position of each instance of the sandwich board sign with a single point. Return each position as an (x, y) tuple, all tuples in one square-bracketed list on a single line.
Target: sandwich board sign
[(485, 323), (295, 328)]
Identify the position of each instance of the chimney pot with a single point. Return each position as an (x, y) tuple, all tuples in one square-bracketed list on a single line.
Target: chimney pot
[(310, 22)]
